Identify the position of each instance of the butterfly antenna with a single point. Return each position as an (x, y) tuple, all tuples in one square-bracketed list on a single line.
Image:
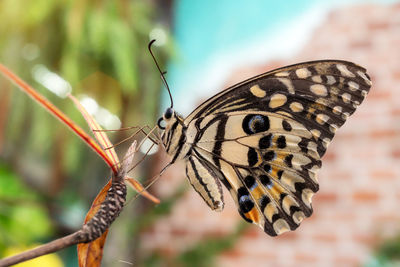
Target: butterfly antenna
[(161, 72)]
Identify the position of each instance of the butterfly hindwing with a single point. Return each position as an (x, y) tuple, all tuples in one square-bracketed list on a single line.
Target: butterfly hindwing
[(205, 181), (263, 165)]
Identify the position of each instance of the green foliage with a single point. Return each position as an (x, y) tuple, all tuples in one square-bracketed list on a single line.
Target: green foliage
[(100, 48), (204, 253), (11, 188), (23, 220), (387, 254)]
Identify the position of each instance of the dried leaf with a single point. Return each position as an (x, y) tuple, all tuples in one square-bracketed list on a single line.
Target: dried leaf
[(90, 254)]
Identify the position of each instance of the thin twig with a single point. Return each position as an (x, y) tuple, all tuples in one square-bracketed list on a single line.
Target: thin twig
[(50, 247)]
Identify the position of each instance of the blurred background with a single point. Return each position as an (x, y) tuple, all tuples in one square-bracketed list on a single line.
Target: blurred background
[(98, 49)]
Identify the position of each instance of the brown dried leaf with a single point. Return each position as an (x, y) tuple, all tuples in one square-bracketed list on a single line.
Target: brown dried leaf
[(90, 254)]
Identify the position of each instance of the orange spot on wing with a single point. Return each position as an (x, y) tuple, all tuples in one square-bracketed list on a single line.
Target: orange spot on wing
[(253, 215), (257, 192)]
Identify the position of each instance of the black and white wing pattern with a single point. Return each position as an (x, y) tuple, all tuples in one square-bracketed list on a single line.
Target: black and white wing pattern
[(264, 139)]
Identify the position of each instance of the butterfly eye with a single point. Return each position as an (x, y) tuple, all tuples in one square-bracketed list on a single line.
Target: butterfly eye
[(159, 123), (168, 113)]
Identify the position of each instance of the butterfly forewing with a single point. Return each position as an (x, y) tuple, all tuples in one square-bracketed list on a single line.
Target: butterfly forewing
[(264, 138)]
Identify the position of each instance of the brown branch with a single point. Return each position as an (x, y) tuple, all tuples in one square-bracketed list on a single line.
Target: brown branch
[(50, 247), (101, 221)]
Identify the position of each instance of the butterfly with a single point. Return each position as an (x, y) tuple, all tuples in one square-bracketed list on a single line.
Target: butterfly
[(264, 138)]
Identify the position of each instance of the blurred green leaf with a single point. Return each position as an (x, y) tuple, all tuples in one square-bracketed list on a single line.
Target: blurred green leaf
[(22, 217), (11, 187), (122, 46), (100, 48), (387, 254), (98, 23), (205, 252)]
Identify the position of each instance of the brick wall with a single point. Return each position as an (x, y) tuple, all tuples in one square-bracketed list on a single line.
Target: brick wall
[(357, 205)]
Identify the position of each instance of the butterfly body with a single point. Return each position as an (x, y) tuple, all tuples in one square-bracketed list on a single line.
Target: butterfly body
[(264, 139)]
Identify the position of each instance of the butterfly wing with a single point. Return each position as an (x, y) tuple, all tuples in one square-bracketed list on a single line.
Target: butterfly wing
[(265, 137), (320, 94)]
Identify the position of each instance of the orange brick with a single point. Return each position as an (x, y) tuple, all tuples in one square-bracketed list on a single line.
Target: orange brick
[(325, 237), (253, 232), (327, 197), (365, 196), (396, 76), (383, 174), (329, 156), (168, 251), (379, 95), (374, 26), (366, 239), (305, 257), (386, 218), (383, 133), (232, 254), (396, 111), (288, 236), (396, 153), (347, 261), (179, 231), (343, 175), (363, 44)]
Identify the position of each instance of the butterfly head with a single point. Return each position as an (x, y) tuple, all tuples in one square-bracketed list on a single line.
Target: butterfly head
[(172, 128), (167, 118)]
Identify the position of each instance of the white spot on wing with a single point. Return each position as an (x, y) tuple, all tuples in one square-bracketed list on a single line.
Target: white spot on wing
[(346, 98), (364, 76), (337, 110), (353, 86), (257, 91), (282, 74), (317, 79), (319, 89), (303, 73), (344, 70), (322, 118), (277, 100), (288, 84), (331, 79), (296, 107)]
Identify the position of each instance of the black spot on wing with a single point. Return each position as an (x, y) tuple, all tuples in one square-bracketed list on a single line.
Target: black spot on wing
[(244, 200), (281, 142), (269, 155), (252, 156), (265, 141), (255, 123), (286, 125)]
